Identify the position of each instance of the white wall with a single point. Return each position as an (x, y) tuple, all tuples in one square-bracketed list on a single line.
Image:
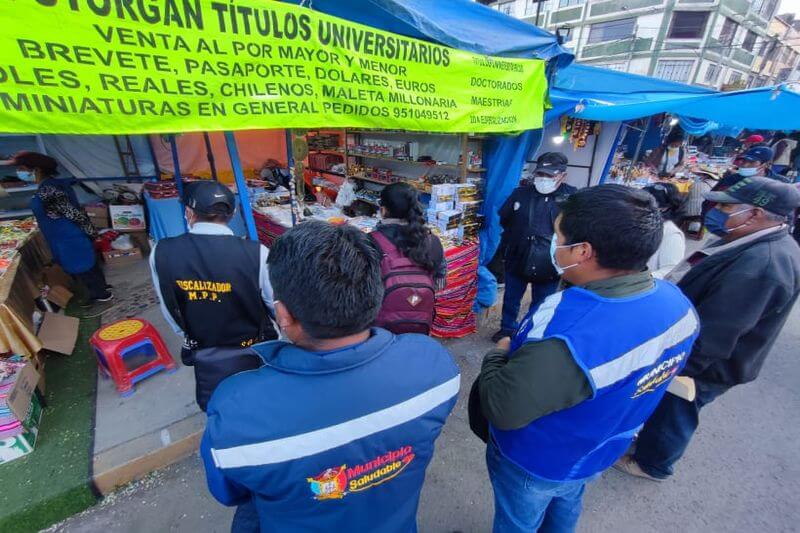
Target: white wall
[(576, 175)]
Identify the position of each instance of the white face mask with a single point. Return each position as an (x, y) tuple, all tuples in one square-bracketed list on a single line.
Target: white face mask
[(545, 185)]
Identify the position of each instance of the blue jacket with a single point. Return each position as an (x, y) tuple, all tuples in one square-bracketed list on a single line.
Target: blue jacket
[(334, 441), (70, 246), (630, 349)]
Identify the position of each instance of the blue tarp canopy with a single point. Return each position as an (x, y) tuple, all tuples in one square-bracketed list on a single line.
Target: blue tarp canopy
[(611, 96), (601, 94), (461, 24)]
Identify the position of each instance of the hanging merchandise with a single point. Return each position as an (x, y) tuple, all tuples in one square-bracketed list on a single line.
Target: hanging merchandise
[(578, 130)]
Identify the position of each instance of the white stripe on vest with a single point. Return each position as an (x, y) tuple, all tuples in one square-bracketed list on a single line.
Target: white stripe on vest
[(542, 317), (645, 354), (320, 440)]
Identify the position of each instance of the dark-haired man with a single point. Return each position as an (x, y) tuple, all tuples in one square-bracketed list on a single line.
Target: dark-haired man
[(336, 430), (744, 286), (527, 218), (566, 395), (214, 289)]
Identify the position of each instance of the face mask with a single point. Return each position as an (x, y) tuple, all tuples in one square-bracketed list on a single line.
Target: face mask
[(545, 185), (715, 221), (553, 248), (748, 171), (26, 175)]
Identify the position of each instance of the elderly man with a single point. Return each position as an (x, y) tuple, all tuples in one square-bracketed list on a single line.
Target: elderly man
[(743, 287)]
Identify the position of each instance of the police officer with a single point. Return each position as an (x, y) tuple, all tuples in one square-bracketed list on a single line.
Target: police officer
[(527, 218), (214, 289)]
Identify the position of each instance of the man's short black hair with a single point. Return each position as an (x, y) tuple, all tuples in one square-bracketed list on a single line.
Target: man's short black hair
[(622, 224), (329, 278)]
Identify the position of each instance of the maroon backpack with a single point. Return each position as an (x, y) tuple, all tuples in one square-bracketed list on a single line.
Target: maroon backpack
[(408, 291)]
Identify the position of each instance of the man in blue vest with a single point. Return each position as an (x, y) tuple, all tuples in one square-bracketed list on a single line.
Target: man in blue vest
[(566, 395), (336, 430)]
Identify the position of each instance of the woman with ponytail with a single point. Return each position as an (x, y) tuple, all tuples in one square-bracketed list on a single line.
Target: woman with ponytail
[(413, 265)]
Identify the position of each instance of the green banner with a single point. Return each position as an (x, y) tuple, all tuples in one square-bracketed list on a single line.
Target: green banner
[(162, 66)]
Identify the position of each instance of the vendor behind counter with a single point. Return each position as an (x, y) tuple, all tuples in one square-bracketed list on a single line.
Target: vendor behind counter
[(63, 222)]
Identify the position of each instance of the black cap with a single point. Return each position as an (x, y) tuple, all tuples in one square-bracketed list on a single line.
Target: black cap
[(769, 194), (209, 198), (551, 163)]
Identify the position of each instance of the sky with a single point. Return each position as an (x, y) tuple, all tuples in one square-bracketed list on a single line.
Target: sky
[(790, 6)]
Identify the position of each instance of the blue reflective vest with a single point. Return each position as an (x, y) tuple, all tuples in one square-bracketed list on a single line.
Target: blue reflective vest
[(630, 349), (70, 246), (335, 441)]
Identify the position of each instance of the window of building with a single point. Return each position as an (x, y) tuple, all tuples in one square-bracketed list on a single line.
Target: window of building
[(567, 3), (505, 7), (611, 31), (728, 32), (712, 73), (765, 48), (688, 25), (749, 41), (619, 66), (768, 9), (784, 73), (674, 70), (735, 78)]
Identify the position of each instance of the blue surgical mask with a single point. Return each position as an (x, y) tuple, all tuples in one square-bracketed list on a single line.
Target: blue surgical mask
[(715, 221), (26, 175), (553, 248), (747, 172)]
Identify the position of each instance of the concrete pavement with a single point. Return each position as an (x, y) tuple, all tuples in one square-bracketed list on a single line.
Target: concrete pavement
[(741, 472)]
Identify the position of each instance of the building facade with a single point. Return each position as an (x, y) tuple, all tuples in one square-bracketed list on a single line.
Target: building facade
[(713, 43), (780, 62)]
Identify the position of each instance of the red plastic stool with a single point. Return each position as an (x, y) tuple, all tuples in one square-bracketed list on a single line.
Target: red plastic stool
[(129, 351)]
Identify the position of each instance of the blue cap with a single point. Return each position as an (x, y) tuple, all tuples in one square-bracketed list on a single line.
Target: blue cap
[(762, 154)]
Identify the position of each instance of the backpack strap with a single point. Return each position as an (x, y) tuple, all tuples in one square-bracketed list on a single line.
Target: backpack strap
[(383, 242)]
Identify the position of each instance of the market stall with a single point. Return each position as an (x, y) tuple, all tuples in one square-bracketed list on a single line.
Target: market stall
[(23, 257), (446, 169)]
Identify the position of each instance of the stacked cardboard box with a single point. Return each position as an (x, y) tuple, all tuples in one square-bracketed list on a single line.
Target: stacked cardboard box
[(20, 410)]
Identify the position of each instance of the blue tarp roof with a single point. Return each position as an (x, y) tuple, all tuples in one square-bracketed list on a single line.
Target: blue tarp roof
[(461, 24), (609, 95)]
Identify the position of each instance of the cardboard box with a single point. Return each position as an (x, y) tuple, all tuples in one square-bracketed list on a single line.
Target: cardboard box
[(21, 445), (440, 206), (117, 258), (59, 333), (55, 275), (98, 214), (448, 220), (19, 397), (127, 217), (59, 295), (442, 192)]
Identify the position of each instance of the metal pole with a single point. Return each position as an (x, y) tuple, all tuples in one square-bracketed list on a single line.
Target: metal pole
[(538, 10), (638, 147), (290, 165), (591, 163), (176, 167), (610, 158), (210, 156), (241, 186)]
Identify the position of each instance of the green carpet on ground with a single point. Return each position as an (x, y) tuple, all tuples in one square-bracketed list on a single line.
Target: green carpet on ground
[(54, 482)]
